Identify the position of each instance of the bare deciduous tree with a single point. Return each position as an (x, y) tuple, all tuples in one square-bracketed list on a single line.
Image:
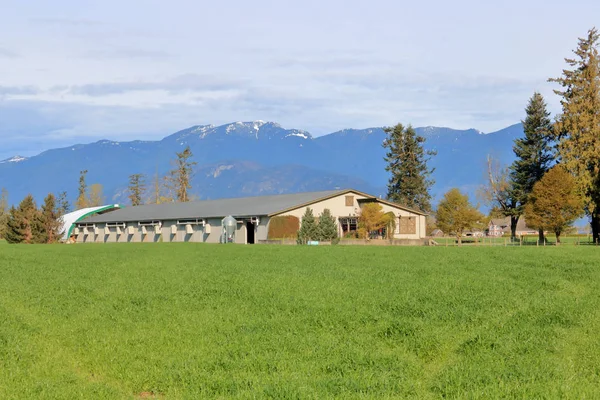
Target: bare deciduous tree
[(498, 193)]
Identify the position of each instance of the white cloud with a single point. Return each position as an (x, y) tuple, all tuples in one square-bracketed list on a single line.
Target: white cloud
[(79, 71)]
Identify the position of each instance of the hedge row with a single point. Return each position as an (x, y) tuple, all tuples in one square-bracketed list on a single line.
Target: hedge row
[(284, 227)]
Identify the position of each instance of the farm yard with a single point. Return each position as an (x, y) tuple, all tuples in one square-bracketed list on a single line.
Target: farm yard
[(176, 320)]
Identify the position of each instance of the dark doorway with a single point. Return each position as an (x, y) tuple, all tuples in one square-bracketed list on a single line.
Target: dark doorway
[(249, 232)]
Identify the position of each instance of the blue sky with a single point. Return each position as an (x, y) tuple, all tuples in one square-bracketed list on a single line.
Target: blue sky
[(78, 71)]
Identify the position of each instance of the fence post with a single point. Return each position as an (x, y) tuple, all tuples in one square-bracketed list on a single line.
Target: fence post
[(504, 242), (537, 243)]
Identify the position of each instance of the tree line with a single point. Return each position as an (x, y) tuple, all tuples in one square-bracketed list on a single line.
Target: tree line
[(174, 186), (27, 223), (555, 177)]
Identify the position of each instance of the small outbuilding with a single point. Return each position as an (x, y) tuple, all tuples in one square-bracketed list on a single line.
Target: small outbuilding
[(201, 221)]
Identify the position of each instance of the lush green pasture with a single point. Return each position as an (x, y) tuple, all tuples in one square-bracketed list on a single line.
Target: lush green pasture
[(197, 321), (529, 240)]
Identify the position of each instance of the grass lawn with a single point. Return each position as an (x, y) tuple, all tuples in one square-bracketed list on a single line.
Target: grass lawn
[(197, 321)]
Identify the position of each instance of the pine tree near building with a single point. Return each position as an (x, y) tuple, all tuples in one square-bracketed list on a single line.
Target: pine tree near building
[(308, 227), (577, 128), (51, 220), (179, 179), (534, 151), (406, 160), (137, 189), (554, 203), (62, 201), (327, 227), (24, 224), (456, 215), (82, 200)]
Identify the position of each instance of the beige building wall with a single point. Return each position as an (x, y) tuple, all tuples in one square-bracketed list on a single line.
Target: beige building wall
[(337, 206), (400, 213), (340, 208)]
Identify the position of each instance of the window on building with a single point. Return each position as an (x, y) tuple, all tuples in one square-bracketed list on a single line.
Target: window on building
[(349, 225), (349, 201)]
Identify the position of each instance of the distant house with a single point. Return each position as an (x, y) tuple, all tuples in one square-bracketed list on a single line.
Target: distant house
[(501, 226), (437, 233)]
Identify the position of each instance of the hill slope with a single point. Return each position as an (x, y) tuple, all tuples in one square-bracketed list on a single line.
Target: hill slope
[(253, 158)]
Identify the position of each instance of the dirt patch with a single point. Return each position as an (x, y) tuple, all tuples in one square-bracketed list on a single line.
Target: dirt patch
[(148, 395)]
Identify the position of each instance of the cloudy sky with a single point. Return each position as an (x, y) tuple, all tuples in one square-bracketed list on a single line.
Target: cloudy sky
[(75, 71)]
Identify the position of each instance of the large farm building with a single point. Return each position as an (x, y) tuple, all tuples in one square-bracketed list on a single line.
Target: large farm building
[(201, 221)]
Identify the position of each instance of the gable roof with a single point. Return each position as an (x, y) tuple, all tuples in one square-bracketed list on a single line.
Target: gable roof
[(504, 224), (392, 204)]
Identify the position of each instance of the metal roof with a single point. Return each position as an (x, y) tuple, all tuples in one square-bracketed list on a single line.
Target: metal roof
[(237, 207)]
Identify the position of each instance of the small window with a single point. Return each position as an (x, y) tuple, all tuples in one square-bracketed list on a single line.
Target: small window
[(191, 221), (349, 201)]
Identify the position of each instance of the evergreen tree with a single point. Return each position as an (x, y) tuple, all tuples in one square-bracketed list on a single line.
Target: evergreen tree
[(577, 128), (51, 221), (24, 223), (179, 179), (406, 160), (4, 211), (64, 207), (308, 227), (14, 231), (534, 151), (137, 189), (554, 203), (82, 200), (327, 227), (456, 214)]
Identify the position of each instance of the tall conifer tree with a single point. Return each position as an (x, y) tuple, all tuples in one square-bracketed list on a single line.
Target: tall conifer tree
[(24, 223), (533, 151), (577, 128), (51, 221), (82, 200), (63, 204), (137, 189), (406, 160), (179, 179)]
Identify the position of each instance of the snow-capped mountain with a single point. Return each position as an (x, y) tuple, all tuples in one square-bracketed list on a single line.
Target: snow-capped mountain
[(14, 159), (257, 157)]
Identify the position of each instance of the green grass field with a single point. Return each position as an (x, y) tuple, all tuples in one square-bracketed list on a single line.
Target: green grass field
[(204, 321)]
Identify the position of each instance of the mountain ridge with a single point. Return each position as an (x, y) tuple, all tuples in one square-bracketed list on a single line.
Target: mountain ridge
[(281, 158)]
